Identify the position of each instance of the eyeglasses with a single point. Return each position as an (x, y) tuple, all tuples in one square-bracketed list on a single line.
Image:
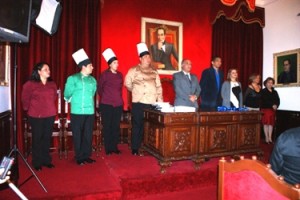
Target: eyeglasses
[(286, 64)]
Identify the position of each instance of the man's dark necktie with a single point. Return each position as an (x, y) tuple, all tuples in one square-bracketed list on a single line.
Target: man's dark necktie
[(188, 77)]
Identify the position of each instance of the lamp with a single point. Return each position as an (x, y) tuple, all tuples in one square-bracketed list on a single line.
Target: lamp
[(49, 15)]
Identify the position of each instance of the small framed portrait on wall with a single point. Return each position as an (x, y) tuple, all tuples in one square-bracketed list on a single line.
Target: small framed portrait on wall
[(4, 64), (164, 41), (287, 68)]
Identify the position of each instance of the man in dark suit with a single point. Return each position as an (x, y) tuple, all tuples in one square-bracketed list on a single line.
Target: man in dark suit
[(210, 83), (285, 157), (287, 75), (186, 86), (162, 51)]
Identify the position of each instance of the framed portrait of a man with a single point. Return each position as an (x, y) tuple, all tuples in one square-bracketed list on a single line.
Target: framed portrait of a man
[(287, 68), (164, 41), (4, 64)]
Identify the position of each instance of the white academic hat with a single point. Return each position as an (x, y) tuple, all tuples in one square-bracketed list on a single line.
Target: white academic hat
[(81, 58), (109, 55), (142, 49)]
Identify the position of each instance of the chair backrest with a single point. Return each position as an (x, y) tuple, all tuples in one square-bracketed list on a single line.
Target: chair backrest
[(57, 120), (251, 179), (168, 90)]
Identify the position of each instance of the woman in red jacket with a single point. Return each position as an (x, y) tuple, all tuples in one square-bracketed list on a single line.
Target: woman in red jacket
[(38, 98)]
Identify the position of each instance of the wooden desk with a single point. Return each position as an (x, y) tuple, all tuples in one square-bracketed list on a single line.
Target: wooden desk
[(196, 136)]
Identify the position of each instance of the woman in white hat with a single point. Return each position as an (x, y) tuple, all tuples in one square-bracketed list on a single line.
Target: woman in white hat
[(110, 86)]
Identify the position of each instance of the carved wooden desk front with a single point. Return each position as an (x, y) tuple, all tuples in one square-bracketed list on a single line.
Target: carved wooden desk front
[(196, 136)]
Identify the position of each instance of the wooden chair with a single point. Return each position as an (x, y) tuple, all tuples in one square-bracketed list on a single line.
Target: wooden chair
[(97, 133), (247, 179), (168, 90), (67, 131), (57, 131), (125, 124)]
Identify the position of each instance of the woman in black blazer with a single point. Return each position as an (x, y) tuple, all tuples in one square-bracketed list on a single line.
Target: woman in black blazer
[(269, 103)]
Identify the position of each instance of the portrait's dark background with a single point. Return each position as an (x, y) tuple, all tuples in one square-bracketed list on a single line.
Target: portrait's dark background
[(293, 62), (172, 36)]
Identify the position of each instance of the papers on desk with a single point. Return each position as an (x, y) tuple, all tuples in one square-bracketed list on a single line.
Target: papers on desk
[(166, 107), (184, 109), (167, 110), (163, 106)]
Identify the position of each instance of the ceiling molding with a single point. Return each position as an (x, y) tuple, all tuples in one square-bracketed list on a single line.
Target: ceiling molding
[(263, 3)]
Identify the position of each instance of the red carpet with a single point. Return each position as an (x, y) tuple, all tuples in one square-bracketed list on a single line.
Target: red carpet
[(121, 177)]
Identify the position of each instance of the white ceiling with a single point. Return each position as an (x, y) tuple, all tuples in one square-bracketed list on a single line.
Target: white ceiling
[(263, 3)]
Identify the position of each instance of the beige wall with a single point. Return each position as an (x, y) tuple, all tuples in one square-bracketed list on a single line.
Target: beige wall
[(282, 33)]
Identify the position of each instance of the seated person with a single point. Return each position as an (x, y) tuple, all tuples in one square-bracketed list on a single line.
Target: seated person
[(285, 158), (186, 86)]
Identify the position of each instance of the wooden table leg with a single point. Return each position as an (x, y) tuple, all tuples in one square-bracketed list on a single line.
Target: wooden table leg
[(164, 165), (198, 162)]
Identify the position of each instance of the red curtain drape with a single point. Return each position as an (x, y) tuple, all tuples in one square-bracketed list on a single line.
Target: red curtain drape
[(240, 46), (251, 3), (240, 11), (79, 28)]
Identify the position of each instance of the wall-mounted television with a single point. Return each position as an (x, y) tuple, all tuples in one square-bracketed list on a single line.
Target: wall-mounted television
[(15, 20)]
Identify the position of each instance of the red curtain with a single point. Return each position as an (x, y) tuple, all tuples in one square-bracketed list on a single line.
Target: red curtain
[(79, 28), (238, 11), (240, 46), (251, 3)]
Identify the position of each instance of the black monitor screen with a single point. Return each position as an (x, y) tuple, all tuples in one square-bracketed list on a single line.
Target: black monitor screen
[(15, 20)]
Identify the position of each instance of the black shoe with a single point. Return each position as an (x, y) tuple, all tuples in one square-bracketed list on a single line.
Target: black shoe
[(49, 165), (39, 168), (117, 151), (135, 152), (80, 162), (108, 153), (89, 160)]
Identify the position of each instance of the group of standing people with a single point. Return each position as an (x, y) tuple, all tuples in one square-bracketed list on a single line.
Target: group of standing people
[(214, 92), (39, 95), (267, 100), (40, 92)]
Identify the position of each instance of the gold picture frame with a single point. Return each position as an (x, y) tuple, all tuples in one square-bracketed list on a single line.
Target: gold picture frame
[(287, 68), (166, 59), (4, 64)]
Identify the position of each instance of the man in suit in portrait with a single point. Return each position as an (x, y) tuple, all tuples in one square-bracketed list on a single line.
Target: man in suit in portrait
[(186, 86), (287, 75), (162, 50), (211, 83)]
